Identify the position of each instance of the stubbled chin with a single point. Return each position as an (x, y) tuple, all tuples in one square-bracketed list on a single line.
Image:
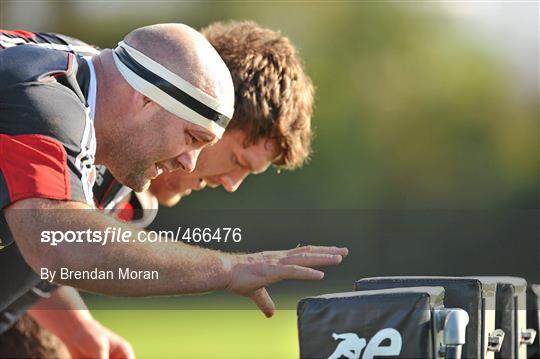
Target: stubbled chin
[(141, 187), (137, 183), (140, 183)]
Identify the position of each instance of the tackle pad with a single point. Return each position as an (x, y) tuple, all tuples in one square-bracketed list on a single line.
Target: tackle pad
[(533, 319), (510, 316), (474, 295), (394, 323)]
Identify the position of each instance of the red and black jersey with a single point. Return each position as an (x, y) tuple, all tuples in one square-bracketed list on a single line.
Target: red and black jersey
[(47, 141), (105, 186), (47, 138), (47, 101), (109, 194)]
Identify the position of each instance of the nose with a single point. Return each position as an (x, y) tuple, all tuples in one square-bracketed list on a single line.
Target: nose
[(232, 181), (188, 160)]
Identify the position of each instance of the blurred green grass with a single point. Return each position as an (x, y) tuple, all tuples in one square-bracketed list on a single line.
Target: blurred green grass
[(205, 333)]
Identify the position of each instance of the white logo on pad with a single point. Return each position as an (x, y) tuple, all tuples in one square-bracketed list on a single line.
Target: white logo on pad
[(351, 345)]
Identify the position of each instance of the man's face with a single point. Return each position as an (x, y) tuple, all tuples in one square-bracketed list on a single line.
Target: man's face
[(160, 142), (227, 163)]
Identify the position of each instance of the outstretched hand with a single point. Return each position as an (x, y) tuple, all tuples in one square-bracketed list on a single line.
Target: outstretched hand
[(251, 273)]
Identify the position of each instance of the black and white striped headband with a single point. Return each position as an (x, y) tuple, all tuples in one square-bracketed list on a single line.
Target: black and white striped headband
[(170, 91)]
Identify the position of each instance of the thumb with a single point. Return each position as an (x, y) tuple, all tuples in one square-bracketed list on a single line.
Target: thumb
[(119, 347), (263, 301)]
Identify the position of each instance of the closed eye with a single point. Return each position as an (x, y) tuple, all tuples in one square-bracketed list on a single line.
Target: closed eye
[(197, 138), (191, 139), (238, 163)]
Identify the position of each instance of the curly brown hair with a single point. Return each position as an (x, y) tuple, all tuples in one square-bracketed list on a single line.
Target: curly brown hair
[(274, 96)]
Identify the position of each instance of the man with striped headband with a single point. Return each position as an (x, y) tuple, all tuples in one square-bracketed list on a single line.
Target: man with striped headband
[(183, 90), (163, 124)]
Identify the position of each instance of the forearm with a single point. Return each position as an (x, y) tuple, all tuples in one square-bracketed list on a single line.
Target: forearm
[(181, 268), (65, 315)]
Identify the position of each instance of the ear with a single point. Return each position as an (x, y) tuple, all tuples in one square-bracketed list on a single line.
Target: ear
[(272, 145)]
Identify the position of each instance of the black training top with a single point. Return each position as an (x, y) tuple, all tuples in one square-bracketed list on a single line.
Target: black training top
[(47, 142), (62, 124)]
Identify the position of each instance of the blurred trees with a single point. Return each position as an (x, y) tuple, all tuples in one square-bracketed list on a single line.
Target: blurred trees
[(411, 110)]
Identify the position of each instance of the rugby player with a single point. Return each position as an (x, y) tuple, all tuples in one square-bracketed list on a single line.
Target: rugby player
[(271, 123), (271, 153)]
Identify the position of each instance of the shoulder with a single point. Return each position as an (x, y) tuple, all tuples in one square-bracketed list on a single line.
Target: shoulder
[(41, 94), (45, 124), (31, 63), (48, 40)]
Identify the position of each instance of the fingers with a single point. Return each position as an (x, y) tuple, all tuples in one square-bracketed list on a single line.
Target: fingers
[(321, 250), (119, 348), (269, 274), (254, 272), (263, 301), (299, 273), (312, 259), (122, 351), (104, 350), (261, 297)]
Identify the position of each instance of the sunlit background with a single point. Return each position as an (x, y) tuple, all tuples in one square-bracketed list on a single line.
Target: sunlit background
[(419, 106)]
